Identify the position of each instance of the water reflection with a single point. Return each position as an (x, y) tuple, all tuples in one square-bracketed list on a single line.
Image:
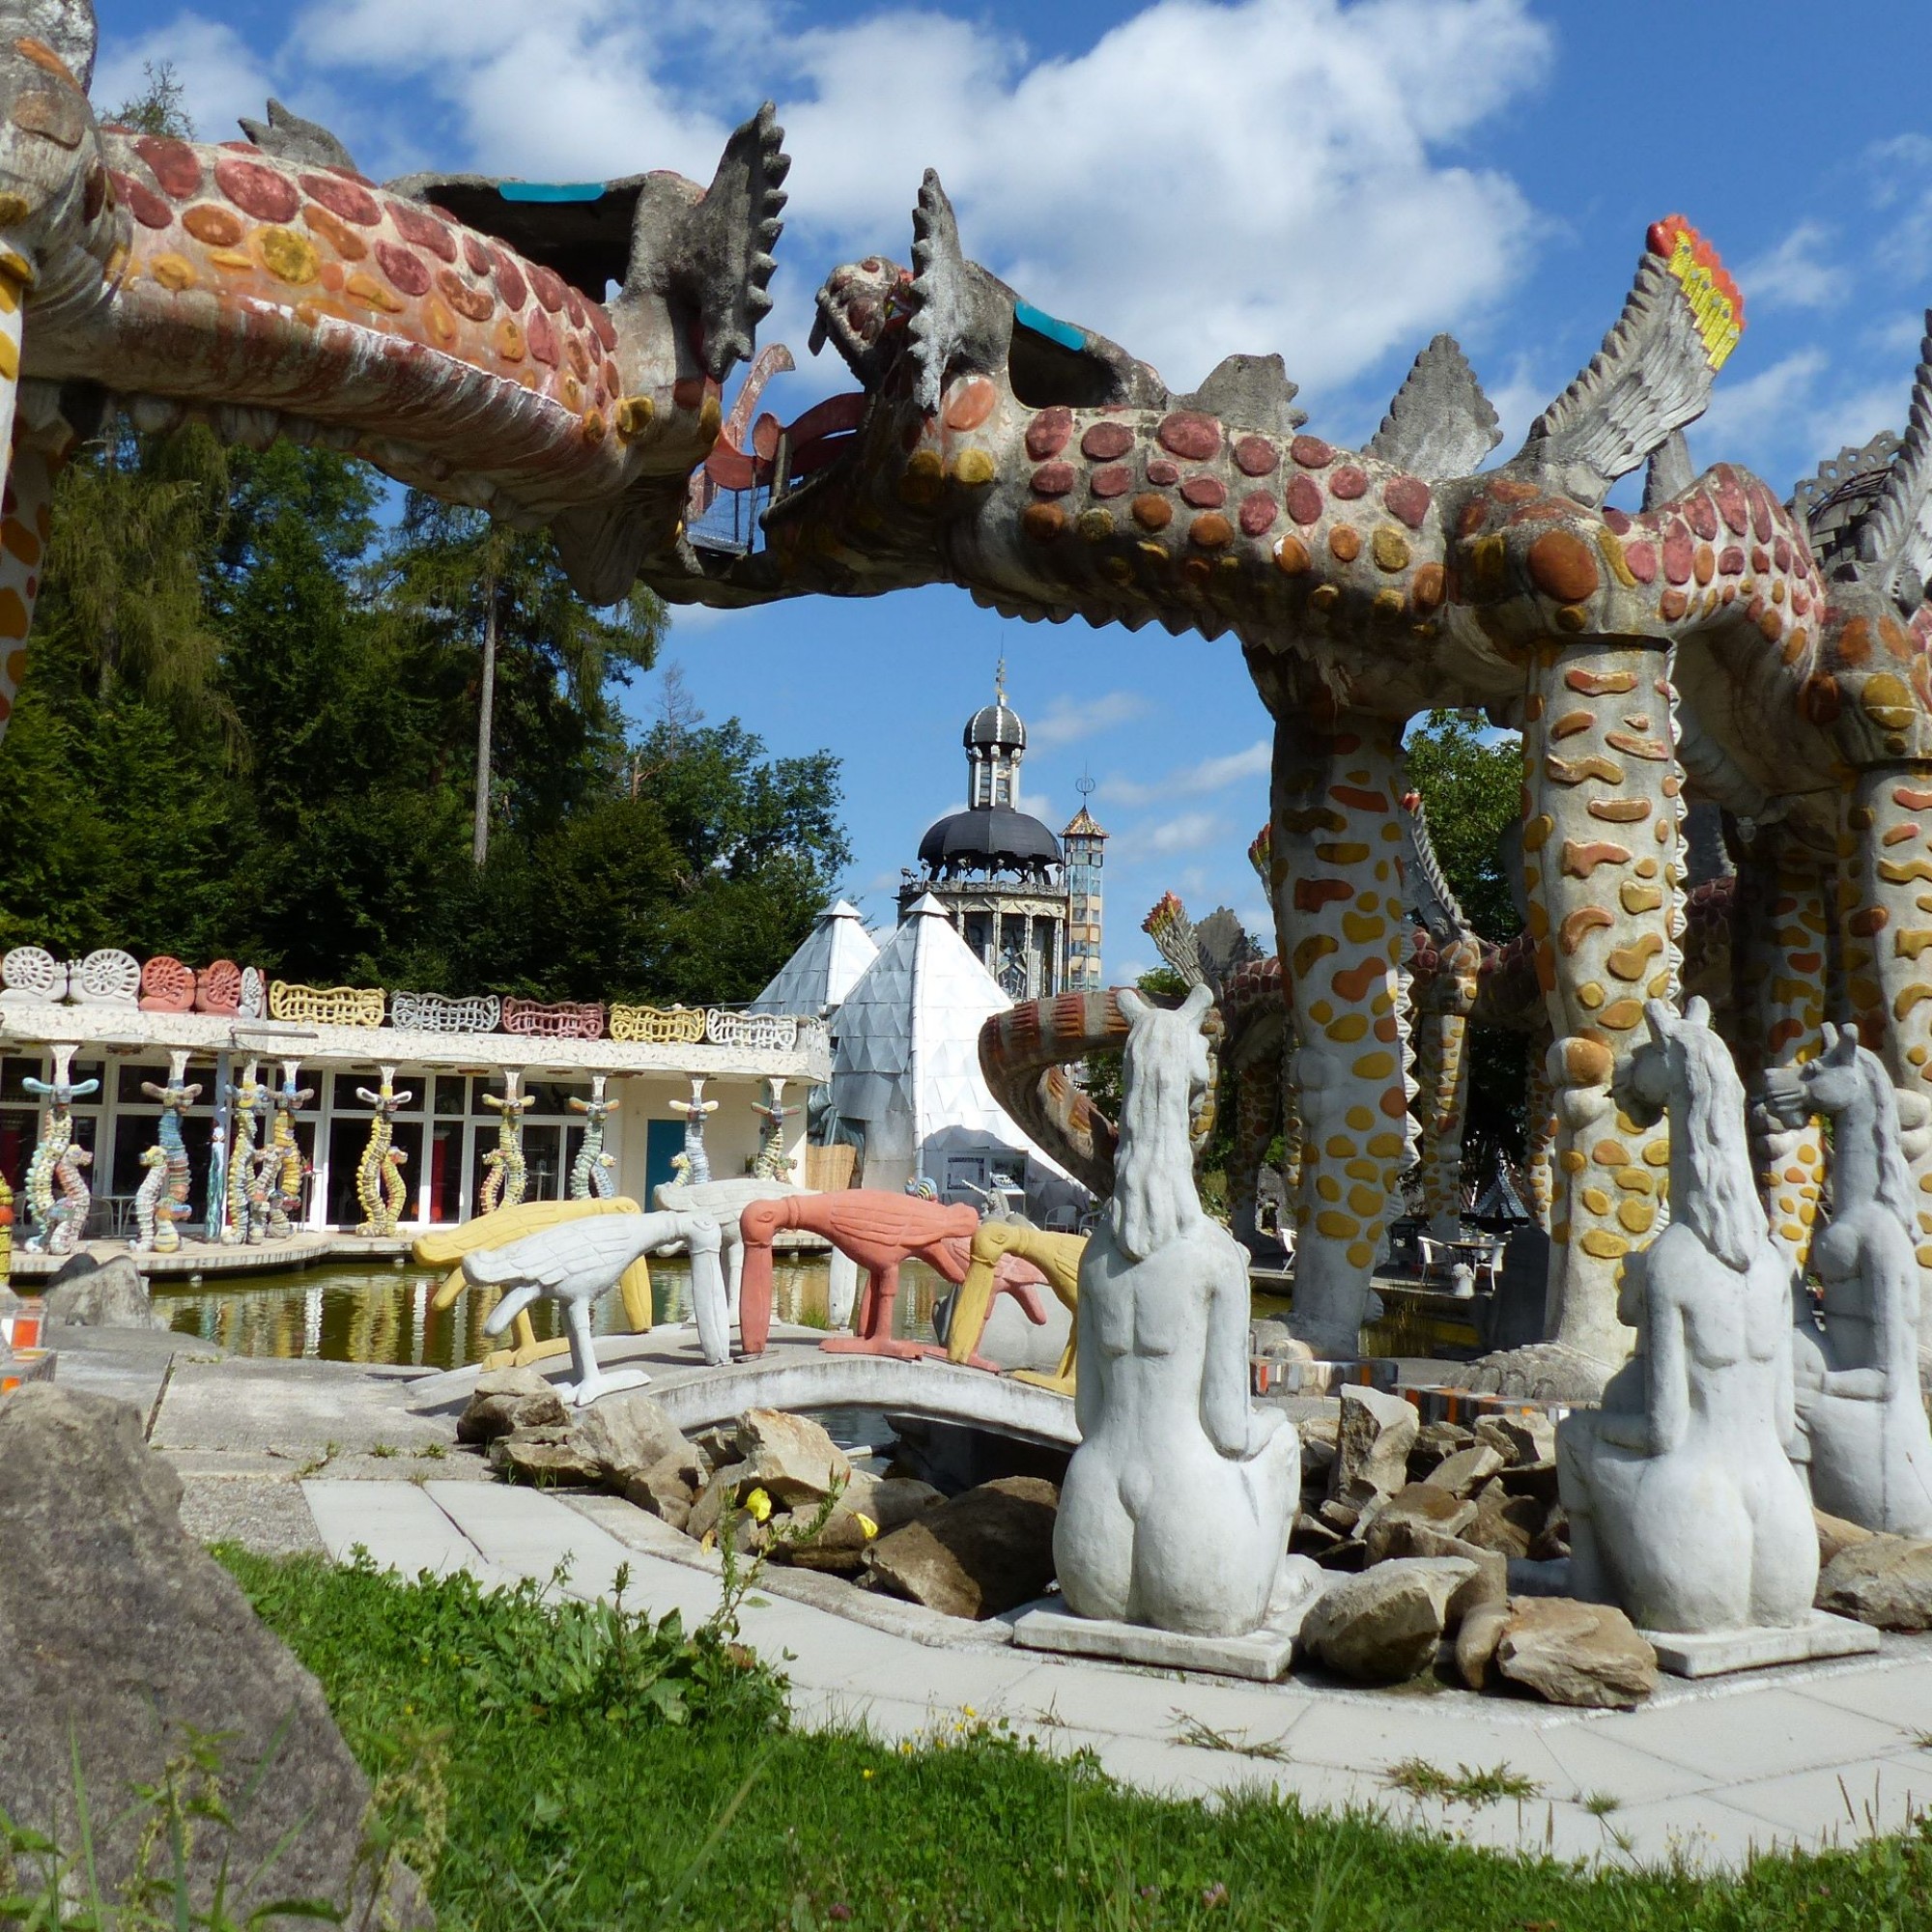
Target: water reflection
[(382, 1315)]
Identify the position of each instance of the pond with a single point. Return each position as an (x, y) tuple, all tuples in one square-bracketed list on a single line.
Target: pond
[(361, 1313)]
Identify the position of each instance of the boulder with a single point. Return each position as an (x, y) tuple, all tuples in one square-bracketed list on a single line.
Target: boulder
[(1522, 1440), (1433, 1441), (1886, 1582), (1371, 1445), (107, 1294), (508, 1399), (1505, 1523), (1476, 1638), (624, 1434), (985, 1551), (1383, 1626), (669, 1486), (1572, 1653), (871, 1507), (793, 1457), (1465, 1471), (1836, 1534), (1423, 1503), (1488, 1585), (723, 1491), (123, 1637)]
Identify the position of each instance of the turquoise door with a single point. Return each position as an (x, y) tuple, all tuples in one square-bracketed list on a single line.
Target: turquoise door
[(663, 1145)]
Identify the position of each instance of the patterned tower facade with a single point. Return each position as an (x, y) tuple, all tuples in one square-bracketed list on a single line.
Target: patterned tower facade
[(1084, 845)]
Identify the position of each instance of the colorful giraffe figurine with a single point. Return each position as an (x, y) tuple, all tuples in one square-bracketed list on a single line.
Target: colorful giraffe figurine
[(381, 1201), (176, 1096), (696, 1111), (773, 1162), (506, 1173), (284, 1153), (593, 1173), (246, 1220), (51, 1176)]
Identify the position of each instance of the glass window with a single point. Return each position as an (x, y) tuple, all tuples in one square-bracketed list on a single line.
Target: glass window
[(345, 1084), (449, 1094), (128, 1081)]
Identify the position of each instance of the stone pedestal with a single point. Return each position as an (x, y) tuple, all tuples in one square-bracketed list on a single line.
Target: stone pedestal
[(1263, 1656), (1716, 1653)]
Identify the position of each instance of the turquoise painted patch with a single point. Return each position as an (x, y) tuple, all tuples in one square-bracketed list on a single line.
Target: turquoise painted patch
[(1042, 323), (550, 190)]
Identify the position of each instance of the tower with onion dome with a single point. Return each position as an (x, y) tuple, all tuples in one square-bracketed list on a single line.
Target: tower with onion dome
[(1000, 874)]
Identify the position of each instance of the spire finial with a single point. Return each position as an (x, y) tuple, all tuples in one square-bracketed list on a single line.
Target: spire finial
[(1085, 784), (999, 681)]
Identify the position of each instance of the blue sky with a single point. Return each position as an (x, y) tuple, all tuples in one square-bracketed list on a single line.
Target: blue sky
[(1193, 177)]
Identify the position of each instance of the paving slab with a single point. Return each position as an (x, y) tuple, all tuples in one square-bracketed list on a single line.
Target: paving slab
[(398, 1523), (1720, 1653), (1763, 1735), (300, 1408), (268, 1514)]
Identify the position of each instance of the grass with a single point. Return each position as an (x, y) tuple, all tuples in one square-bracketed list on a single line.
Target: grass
[(1418, 1778), (554, 1766), (1189, 1729)]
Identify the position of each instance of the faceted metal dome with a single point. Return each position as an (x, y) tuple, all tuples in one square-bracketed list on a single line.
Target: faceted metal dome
[(995, 727), (989, 838)]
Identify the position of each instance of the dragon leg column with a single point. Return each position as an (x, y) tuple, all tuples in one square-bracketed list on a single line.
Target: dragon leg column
[(1783, 915), (1441, 1027), (26, 522), (1338, 893), (1885, 914), (1539, 1159), (1601, 865)]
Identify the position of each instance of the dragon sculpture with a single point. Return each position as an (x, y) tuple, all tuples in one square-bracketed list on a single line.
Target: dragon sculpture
[(593, 1173), (1770, 659), (379, 1179), (507, 1173), (55, 1185)]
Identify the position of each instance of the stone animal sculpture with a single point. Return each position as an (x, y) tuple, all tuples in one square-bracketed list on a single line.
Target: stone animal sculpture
[(176, 1096), (451, 331), (382, 1198), (579, 1262), (505, 1174), (1056, 1259), (593, 1173), (284, 1161), (773, 1161), (55, 1183), (1177, 1503), (877, 1230), (1685, 1510), (696, 1111), (725, 1201), (1857, 1366), (154, 1206)]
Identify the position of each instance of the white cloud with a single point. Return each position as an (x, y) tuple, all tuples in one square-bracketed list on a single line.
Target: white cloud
[(1069, 719), (220, 74), (1185, 832), (1798, 273), (1248, 157), (1759, 416), (1211, 775)]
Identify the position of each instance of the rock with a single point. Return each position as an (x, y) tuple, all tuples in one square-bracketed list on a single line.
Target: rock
[(1488, 1585), (721, 1492), (546, 1458), (1572, 1653), (124, 1636), (508, 1399), (1371, 1445), (1541, 1372), (669, 1486), (1433, 1441), (624, 1434), (1886, 1582), (1464, 1472), (110, 1295), (1836, 1534), (1427, 1504), (985, 1551), (1521, 1439), (1553, 1541), (1505, 1523), (791, 1456), (871, 1507), (1383, 1626), (1476, 1640)]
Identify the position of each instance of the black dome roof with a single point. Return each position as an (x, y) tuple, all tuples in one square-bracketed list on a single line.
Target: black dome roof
[(990, 838), (995, 724)]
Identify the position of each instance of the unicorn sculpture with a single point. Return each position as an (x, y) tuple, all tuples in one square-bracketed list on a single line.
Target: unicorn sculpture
[(1178, 1502), (1683, 1507), (1858, 1394)]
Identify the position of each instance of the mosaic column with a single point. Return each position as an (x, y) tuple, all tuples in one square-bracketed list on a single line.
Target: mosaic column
[(1885, 923), (26, 522), (1782, 918), (1539, 1156), (1337, 880), (1602, 873), (1441, 1027)]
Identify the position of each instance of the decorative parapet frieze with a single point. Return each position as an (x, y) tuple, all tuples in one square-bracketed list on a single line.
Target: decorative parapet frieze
[(438, 1012), (766, 1032), (106, 978), (217, 988), (32, 973), (321, 1006), (563, 1019), (167, 986), (655, 1026)]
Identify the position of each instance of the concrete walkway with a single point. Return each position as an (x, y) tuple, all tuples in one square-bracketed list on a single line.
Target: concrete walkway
[(1808, 1755)]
